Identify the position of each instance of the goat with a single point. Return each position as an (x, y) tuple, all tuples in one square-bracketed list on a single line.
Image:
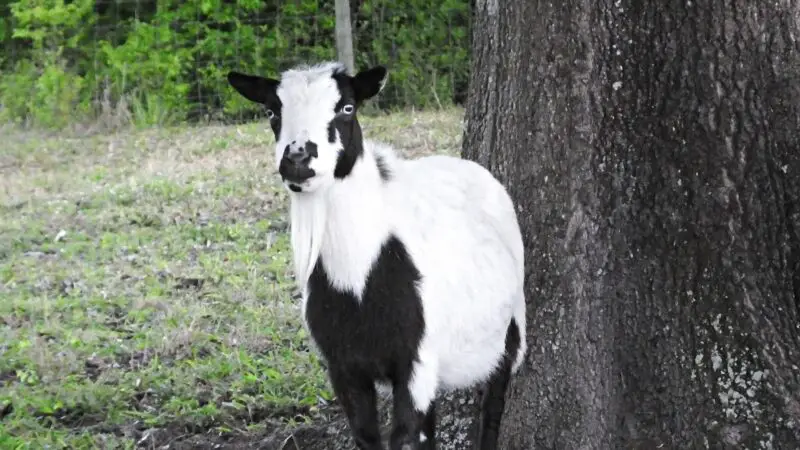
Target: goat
[(411, 270)]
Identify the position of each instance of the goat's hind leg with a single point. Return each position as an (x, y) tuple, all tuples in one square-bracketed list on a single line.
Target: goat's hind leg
[(358, 398), (493, 403)]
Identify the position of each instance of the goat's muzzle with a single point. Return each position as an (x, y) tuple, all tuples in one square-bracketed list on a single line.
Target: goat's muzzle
[(294, 166)]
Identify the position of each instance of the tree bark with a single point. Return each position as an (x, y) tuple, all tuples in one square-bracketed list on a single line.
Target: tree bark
[(652, 149)]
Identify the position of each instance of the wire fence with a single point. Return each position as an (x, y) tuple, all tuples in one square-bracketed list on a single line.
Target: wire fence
[(157, 61)]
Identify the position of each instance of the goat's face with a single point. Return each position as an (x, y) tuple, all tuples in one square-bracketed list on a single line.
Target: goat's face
[(312, 112)]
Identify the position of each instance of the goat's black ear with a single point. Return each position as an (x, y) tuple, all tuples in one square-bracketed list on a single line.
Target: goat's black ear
[(254, 88), (369, 82)]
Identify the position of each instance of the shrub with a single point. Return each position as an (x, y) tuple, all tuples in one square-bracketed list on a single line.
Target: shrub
[(165, 60)]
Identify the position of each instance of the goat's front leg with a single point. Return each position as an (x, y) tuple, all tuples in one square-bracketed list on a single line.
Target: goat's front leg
[(406, 420), (428, 435), (357, 396), (414, 420)]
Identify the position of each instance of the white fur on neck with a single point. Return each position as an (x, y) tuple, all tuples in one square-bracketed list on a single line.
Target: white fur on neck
[(345, 224), (307, 215)]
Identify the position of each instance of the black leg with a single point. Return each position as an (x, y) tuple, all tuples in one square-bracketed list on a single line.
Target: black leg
[(429, 428), (406, 420), (492, 406), (357, 396), (494, 394)]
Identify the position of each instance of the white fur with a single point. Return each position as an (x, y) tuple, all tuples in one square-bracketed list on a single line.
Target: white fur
[(455, 219), (424, 380), (308, 96), (460, 228), (333, 213), (348, 265), (307, 223)]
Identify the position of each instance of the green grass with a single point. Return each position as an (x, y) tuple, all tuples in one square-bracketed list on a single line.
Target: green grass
[(145, 288)]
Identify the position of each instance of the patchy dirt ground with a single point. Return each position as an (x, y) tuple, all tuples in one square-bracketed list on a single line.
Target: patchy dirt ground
[(329, 431), (147, 300)]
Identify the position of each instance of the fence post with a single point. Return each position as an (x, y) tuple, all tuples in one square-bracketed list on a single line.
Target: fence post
[(344, 35)]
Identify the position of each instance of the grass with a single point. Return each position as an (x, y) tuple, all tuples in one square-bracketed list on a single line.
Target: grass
[(145, 289)]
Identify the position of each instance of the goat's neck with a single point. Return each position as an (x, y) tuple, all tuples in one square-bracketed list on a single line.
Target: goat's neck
[(345, 226)]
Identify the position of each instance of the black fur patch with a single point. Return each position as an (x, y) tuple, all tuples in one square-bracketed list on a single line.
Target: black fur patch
[(275, 122), (493, 402), (311, 149), (348, 128), (331, 132), (383, 168), (378, 337), (512, 342)]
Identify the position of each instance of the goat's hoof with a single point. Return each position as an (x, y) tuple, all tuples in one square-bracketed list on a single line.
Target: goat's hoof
[(404, 445), (408, 446)]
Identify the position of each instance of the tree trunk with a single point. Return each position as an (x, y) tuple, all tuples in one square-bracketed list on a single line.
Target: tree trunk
[(652, 149)]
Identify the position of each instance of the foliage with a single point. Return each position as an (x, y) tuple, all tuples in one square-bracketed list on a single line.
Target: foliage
[(165, 61)]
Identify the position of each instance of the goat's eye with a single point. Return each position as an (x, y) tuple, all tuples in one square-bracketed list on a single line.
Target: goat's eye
[(348, 109), (270, 114)]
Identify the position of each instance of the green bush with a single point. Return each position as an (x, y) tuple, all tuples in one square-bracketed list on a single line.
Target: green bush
[(48, 95), (44, 81), (166, 60)]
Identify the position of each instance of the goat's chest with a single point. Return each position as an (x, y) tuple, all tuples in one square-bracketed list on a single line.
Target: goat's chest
[(376, 331)]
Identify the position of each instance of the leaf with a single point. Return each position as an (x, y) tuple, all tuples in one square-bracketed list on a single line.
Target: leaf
[(273, 374)]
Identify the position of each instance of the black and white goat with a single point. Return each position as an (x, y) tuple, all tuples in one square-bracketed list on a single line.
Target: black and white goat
[(411, 270)]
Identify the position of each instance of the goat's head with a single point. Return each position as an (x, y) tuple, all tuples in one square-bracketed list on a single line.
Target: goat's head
[(312, 112)]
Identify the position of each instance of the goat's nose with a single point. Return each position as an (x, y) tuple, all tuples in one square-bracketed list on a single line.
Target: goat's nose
[(296, 154), (300, 153)]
